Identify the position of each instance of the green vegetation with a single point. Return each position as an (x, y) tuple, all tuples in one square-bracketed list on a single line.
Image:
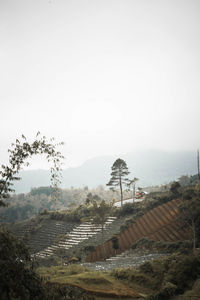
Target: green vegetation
[(39, 200), (43, 190), (163, 247), (99, 214), (18, 280), (174, 189), (93, 282), (164, 278), (91, 198), (160, 279), (132, 211), (115, 242), (190, 213), (98, 211)]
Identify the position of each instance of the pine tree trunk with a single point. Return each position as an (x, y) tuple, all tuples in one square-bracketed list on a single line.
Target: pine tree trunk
[(120, 184), (133, 193)]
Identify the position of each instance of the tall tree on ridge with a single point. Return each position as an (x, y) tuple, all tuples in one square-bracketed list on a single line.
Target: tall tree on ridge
[(118, 175), (131, 184)]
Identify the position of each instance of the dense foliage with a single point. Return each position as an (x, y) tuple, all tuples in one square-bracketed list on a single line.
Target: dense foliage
[(17, 276)]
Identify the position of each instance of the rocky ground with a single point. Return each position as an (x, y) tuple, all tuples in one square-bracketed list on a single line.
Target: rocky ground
[(130, 258)]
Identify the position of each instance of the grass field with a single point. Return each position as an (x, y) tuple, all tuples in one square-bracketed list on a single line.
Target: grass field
[(101, 284), (163, 278)]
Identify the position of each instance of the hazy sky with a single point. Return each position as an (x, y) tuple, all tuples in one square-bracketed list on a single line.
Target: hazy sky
[(104, 76)]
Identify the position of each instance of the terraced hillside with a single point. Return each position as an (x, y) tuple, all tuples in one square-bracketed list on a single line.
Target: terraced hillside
[(47, 237), (40, 233), (157, 224), (81, 235)]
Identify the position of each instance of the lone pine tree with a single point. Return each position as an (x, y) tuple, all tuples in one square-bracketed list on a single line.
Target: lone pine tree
[(119, 175)]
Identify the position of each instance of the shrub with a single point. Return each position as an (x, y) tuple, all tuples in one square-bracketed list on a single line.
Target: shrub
[(146, 267), (89, 248), (127, 209), (166, 247), (132, 274), (57, 291), (183, 270), (165, 293)]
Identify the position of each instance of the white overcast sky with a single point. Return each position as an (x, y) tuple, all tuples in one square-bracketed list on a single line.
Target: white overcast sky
[(104, 76)]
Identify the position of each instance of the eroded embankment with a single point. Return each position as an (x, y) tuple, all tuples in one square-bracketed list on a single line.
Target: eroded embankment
[(158, 224)]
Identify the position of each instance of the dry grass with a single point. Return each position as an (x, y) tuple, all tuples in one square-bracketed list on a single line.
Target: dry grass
[(98, 283), (161, 279)]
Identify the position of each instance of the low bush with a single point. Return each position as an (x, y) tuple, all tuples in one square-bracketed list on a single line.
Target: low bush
[(128, 209), (166, 247), (146, 267), (178, 273), (89, 248), (133, 275), (57, 291), (183, 270), (165, 293)]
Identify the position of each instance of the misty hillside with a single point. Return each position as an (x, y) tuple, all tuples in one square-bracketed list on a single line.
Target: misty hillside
[(151, 167)]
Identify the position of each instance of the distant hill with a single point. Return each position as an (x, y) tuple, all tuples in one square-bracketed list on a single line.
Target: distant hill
[(151, 167)]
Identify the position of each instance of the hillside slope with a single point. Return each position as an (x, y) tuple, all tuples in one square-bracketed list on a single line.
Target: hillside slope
[(157, 224)]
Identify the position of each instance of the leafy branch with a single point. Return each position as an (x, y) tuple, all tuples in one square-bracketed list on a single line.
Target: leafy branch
[(20, 151)]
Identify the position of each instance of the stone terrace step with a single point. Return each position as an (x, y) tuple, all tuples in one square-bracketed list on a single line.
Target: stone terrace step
[(77, 235)]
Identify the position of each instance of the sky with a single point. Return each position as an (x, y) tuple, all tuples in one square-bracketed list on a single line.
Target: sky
[(106, 77)]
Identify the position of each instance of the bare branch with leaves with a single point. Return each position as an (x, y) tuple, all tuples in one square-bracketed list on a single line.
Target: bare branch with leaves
[(20, 151)]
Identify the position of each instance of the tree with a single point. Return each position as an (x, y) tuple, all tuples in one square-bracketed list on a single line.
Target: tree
[(118, 175), (174, 189), (131, 184), (184, 180), (115, 243), (90, 198), (22, 150), (190, 213), (18, 279), (99, 214)]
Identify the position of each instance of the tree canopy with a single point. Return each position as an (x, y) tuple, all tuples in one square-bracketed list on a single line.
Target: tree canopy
[(131, 184), (119, 175)]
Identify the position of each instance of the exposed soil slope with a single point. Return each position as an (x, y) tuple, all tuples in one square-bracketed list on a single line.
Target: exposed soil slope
[(158, 224)]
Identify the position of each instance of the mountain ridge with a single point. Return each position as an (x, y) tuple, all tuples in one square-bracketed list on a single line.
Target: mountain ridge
[(152, 167)]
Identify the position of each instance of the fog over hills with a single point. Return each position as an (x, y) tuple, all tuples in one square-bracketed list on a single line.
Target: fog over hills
[(151, 167)]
